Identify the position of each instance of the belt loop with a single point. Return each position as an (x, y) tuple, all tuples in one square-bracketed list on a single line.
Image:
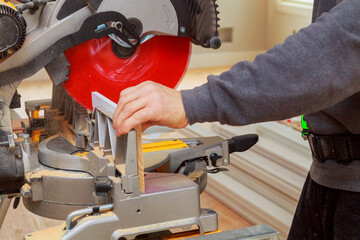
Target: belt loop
[(348, 148)]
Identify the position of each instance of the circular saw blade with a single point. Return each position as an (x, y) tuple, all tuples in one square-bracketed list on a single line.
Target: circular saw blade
[(95, 67)]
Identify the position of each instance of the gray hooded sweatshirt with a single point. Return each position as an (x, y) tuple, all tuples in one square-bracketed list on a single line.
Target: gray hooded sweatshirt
[(315, 72)]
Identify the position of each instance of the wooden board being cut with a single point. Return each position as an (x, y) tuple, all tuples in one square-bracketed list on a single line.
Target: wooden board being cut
[(140, 159)]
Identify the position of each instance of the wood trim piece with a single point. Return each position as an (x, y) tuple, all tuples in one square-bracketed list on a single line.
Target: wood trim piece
[(140, 159)]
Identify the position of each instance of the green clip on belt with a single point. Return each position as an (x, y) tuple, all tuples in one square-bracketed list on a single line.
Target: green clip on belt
[(305, 128)]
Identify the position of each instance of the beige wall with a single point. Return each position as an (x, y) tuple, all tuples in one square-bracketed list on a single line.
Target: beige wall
[(248, 20), (285, 18), (257, 26)]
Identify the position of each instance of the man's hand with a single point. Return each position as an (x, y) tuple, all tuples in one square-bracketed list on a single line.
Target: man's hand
[(149, 104)]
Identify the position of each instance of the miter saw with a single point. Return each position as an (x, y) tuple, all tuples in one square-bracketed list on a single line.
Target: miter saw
[(69, 164)]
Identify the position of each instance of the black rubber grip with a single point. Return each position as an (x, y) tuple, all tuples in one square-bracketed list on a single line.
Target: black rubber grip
[(242, 143)]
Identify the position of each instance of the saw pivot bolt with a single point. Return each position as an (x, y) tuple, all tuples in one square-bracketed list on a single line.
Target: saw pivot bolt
[(25, 191), (118, 26), (215, 42), (136, 25), (122, 52)]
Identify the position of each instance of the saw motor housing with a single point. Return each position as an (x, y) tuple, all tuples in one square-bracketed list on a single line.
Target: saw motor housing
[(13, 27)]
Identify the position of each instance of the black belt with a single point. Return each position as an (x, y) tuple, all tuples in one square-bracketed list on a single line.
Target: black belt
[(342, 148)]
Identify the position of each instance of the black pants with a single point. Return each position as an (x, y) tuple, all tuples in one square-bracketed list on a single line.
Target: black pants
[(325, 213)]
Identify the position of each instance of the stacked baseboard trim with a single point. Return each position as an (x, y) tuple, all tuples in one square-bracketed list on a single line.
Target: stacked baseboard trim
[(264, 183)]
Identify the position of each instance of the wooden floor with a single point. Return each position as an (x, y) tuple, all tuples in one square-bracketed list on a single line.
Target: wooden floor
[(228, 219), (19, 222)]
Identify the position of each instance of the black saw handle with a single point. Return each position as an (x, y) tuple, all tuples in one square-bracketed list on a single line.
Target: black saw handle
[(242, 143)]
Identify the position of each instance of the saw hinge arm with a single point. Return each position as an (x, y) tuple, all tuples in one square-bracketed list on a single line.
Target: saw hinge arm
[(120, 26)]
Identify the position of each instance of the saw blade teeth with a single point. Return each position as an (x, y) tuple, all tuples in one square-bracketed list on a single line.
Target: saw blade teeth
[(217, 16)]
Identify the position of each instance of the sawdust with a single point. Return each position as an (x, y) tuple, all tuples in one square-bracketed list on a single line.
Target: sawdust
[(67, 131), (121, 168), (55, 173), (100, 216), (54, 233)]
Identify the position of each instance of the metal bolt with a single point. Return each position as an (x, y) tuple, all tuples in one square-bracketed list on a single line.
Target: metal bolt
[(18, 151), (182, 29), (226, 161), (25, 136), (119, 26), (25, 191)]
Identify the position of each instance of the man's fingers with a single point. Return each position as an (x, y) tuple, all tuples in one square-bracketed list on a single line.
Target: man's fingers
[(149, 104), (130, 109), (136, 119), (130, 90), (131, 94), (125, 100)]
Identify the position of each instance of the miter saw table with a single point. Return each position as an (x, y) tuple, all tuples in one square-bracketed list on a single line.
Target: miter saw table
[(95, 186)]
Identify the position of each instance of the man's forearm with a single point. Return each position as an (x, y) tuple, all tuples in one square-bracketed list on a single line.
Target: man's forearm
[(312, 70)]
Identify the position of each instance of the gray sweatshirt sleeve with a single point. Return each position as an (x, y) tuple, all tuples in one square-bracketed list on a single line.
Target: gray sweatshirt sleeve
[(313, 69)]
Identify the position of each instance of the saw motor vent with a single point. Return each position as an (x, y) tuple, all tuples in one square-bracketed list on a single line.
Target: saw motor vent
[(12, 29)]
